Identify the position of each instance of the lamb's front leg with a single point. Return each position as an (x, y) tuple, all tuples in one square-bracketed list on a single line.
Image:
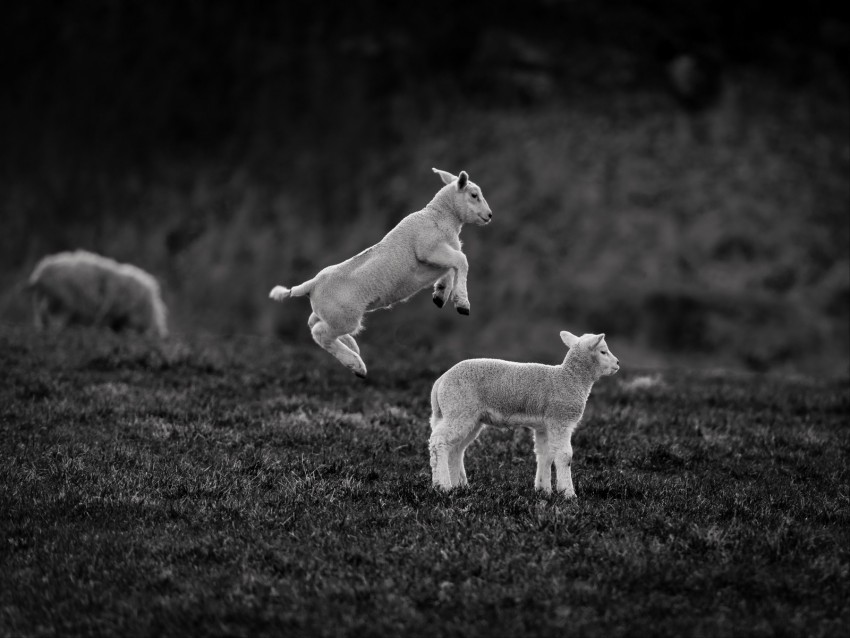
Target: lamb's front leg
[(444, 256), (443, 288), (563, 451), (543, 478), (460, 296)]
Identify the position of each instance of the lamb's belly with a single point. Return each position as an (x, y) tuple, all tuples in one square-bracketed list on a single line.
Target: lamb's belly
[(514, 420), (403, 289)]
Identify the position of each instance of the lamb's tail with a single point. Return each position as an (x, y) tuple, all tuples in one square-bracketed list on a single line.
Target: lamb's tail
[(279, 293)]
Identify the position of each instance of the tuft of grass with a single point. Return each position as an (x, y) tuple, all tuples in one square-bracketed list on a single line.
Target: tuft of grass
[(241, 487)]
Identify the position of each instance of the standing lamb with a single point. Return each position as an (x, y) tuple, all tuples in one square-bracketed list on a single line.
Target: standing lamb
[(84, 288), (549, 400), (421, 251)]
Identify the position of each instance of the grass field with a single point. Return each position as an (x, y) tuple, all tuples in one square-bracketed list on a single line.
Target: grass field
[(240, 487)]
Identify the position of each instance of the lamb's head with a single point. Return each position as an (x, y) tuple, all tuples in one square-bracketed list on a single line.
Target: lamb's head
[(465, 197), (593, 352)]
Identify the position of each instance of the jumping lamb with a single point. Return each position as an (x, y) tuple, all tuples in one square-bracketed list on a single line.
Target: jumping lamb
[(84, 288), (549, 400), (424, 249)]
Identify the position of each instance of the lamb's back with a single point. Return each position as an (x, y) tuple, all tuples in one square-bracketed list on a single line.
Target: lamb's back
[(506, 387), (388, 272)]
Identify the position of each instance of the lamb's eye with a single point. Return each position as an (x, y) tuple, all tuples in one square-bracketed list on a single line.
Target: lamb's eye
[(474, 195), (603, 351)]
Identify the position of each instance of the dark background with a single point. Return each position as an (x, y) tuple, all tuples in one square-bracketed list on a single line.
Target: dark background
[(226, 147)]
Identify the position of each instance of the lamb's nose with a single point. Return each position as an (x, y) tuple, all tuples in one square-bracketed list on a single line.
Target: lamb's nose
[(489, 215)]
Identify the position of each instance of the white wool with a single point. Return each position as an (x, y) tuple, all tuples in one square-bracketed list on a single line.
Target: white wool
[(85, 288), (550, 400), (423, 250)]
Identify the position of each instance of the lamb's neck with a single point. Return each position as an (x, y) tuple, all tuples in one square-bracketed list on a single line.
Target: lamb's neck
[(577, 375), (444, 216)]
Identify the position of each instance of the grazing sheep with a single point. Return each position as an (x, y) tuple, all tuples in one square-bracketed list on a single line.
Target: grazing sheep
[(84, 288), (421, 251), (547, 399)]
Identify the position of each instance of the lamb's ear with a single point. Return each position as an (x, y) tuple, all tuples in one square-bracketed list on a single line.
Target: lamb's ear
[(568, 338), (462, 180), (597, 339), (447, 177)]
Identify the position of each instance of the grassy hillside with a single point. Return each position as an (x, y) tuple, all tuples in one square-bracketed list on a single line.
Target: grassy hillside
[(237, 486)]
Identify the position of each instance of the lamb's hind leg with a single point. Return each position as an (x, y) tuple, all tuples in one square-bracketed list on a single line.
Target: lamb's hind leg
[(455, 460), (439, 451), (349, 341), (329, 339), (461, 469), (445, 447), (346, 339)]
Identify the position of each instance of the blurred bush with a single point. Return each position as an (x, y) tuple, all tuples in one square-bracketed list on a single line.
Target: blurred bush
[(228, 150)]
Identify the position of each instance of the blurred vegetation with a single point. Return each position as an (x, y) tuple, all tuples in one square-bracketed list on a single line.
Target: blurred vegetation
[(227, 148)]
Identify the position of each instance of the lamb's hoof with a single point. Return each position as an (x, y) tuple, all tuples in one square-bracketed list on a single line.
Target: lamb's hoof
[(462, 310), (439, 301)]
